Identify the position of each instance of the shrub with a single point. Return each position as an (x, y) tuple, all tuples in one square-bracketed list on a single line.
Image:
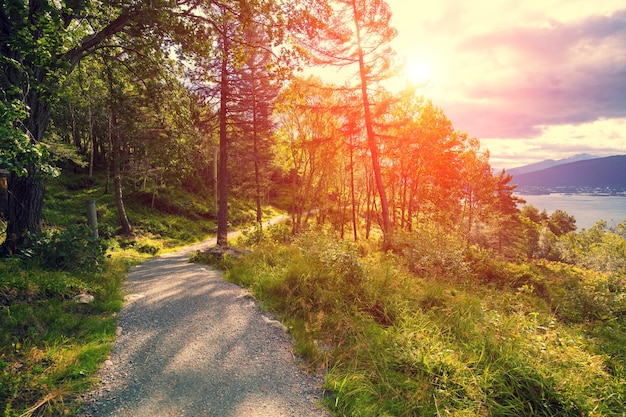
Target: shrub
[(252, 237), (430, 251), (71, 249), (579, 295), (485, 265), (404, 344)]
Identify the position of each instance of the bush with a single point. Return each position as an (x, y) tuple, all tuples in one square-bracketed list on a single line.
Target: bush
[(403, 344), (579, 295), (430, 251), (276, 233), (71, 249)]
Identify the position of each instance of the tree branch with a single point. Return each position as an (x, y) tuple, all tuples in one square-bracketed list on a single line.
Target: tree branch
[(88, 43)]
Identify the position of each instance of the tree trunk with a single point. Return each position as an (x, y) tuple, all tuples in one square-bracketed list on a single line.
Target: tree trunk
[(26, 194), (352, 192), (257, 168), (116, 145), (368, 210), (24, 209), (92, 140), (119, 197), (295, 202), (222, 212), (369, 127), (117, 179)]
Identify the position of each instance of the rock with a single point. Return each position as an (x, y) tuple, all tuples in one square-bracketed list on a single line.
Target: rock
[(275, 323), (132, 297), (84, 298), (219, 252)]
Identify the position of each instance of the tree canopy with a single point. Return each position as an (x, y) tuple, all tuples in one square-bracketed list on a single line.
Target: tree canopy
[(150, 91)]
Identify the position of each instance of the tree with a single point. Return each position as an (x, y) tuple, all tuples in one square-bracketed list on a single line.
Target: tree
[(116, 143), (425, 166), (601, 248), (477, 186), (40, 44), (307, 138), (221, 53), (561, 223), (79, 117), (505, 206), (358, 34), (256, 91), (542, 234)]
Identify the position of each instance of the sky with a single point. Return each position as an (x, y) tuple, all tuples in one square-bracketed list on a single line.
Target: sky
[(533, 80)]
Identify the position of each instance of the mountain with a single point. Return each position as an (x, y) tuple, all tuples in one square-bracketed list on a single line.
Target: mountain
[(609, 172), (548, 163)]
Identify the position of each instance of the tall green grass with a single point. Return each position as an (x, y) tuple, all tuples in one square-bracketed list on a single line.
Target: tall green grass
[(425, 330), (171, 219), (50, 345)]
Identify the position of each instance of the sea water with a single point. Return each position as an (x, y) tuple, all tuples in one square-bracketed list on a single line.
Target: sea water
[(587, 209)]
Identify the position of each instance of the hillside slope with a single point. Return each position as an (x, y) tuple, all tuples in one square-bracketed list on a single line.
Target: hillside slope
[(549, 163), (607, 172)]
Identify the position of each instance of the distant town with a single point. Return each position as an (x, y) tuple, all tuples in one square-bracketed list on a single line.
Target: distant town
[(585, 176), (595, 191)]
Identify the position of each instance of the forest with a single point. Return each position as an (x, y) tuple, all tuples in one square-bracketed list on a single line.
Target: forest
[(185, 118), (166, 98)]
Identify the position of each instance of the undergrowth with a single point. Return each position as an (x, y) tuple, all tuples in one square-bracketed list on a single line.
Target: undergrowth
[(51, 346), (425, 330)]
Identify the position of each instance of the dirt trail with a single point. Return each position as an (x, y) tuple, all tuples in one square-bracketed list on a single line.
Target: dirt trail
[(192, 344)]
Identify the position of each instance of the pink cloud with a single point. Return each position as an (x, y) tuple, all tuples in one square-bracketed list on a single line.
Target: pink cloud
[(567, 73)]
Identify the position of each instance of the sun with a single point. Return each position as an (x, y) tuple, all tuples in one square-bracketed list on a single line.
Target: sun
[(418, 71)]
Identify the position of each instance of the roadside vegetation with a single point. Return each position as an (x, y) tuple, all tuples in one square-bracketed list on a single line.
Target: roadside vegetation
[(51, 345), (432, 327), (408, 271)]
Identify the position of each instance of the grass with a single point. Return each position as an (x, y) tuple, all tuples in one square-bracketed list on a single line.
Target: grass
[(50, 346), (425, 328), (172, 219), (479, 338)]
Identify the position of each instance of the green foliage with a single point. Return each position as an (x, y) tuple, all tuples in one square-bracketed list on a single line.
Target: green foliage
[(65, 204), (600, 248), (18, 154), (51, 346), (584, 295), (141, 245), (541, 233), (430, 251), (561, 223), (539, 339), (279, 233), (71, 249)]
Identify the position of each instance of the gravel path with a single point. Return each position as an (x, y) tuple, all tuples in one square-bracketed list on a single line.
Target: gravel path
[(192, 344)]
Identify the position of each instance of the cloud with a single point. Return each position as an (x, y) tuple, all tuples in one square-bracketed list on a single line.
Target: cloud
[(518, 79), (603, 137)]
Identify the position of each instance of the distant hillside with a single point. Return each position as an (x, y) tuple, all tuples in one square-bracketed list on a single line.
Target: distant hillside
[(607, 172), (548, 163)]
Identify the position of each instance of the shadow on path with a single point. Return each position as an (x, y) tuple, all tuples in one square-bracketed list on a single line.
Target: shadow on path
[(195, 345)]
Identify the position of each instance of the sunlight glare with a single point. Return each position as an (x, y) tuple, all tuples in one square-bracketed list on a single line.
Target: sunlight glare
[(418, 71)]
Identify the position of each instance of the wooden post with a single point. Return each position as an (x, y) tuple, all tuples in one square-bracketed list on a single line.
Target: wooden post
[(216, 155), (4, 194), (92, 217)]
